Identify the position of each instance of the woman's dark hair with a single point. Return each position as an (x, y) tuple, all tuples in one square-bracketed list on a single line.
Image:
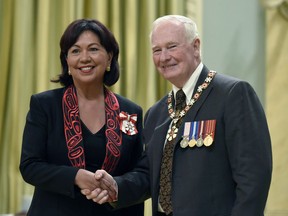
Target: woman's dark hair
[(107, 40)]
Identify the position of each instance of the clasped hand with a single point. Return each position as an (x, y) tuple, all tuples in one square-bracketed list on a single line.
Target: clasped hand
[(99, 186)]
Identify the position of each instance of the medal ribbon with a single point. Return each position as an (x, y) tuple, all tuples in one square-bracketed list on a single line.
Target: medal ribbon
[(201, 129), (195, 128), (187, 129), (210, 128)]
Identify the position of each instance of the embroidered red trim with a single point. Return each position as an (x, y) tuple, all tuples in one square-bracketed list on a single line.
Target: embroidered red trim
[(113, 133), (72, 128), (73, 131)]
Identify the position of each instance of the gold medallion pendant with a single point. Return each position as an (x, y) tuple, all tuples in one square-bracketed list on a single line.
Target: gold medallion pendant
[(208, 140), (192, 142)]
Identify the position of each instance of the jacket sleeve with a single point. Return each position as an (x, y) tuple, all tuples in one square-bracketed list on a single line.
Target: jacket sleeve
[(249, 149), (134, 186), (34, 166)]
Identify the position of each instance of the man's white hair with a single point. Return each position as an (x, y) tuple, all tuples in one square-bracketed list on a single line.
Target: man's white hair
[(189, 24)]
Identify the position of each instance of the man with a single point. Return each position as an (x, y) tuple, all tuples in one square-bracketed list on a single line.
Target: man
[(221, 149)]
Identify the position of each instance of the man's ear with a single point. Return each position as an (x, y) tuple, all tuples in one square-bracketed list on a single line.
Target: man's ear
[(196, 44)]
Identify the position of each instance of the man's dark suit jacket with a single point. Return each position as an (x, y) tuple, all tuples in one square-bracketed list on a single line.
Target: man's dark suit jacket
[(229, 178), (45, 164)]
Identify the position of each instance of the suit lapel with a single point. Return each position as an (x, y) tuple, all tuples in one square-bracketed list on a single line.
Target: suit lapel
[(156, 143)]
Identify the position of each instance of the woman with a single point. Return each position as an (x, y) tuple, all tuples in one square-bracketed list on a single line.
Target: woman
[(73, 131)]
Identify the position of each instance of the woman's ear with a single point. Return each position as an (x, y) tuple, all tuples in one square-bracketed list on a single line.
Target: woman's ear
[(110, 56)]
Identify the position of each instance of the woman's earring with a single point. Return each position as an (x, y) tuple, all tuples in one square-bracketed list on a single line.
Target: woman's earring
[(69, 72), (108, 68)]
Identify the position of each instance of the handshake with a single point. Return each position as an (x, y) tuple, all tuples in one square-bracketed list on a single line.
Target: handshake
[(99, 186)]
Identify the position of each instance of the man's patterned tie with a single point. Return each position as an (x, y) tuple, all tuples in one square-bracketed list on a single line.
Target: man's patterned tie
[(167, 159)]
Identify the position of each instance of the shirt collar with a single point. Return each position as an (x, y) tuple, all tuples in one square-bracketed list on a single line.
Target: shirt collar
[(189, 86)]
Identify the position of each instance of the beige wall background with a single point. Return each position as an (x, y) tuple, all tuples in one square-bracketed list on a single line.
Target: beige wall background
[(277, 105)]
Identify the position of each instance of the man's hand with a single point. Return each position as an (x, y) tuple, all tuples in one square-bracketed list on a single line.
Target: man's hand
[(107, 190)]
